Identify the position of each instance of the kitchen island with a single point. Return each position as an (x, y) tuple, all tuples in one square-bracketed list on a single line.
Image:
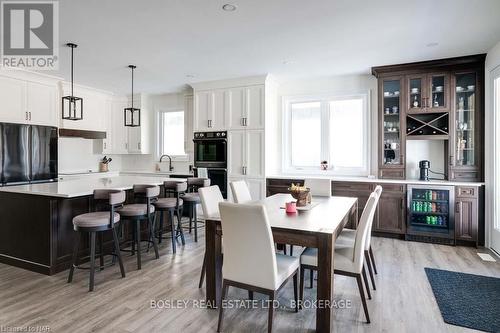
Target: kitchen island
[(36, 229)]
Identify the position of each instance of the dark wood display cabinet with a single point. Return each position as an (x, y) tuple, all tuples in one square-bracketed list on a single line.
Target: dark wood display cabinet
[(432, 100)]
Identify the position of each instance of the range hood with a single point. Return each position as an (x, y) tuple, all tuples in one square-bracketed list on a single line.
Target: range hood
[(76, 133)]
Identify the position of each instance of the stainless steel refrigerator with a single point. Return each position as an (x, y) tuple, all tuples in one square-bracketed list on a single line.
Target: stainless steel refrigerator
[(28, 154)]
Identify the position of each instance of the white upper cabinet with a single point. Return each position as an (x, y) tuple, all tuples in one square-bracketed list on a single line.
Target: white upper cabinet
[(210, 110), (138, 138), (230, 108), (254, 107), (41, 104), (94, 109), (202, 101), (28, 102), (236, 107), (119, 133), (13, 101)]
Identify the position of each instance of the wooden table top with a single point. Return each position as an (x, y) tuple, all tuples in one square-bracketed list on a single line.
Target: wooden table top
[(325, 217)]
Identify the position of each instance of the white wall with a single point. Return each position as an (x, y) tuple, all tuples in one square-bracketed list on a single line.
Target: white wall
[(78, 155), (492, 62), (338, 85), (157, 103), (431, 150)]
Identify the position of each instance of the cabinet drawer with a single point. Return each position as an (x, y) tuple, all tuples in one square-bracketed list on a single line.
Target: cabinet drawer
[(465, 175), (393, 188), (467, 191), (392, 173), (351, 186), (283, 182)]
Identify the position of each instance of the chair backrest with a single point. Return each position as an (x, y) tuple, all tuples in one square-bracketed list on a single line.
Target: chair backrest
[(210, 198), (174, 186), (194, 183), (148, 191), (362, 231), (319, 187), (110, 197), (378, 192), (249, 253), (241, 193)]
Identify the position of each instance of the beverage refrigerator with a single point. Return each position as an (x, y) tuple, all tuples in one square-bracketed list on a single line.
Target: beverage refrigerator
[(431, 214)]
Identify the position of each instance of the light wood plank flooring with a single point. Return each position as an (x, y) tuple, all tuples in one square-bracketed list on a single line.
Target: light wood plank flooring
[(403, 301)]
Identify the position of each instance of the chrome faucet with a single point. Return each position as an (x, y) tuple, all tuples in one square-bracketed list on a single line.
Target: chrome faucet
[(170, 167)]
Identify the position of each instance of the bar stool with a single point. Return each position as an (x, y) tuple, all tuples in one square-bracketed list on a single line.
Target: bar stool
[(98, 222), (192, 199), (171, 206), (138, 212)]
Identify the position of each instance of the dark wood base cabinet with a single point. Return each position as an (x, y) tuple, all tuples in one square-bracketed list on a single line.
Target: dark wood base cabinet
[(36, 232), (391, 215)]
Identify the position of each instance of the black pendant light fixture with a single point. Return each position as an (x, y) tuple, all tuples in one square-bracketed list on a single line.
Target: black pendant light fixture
[(132, 116), (72, 106)]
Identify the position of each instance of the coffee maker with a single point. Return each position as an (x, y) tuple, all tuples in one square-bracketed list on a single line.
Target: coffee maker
[(424, 166)]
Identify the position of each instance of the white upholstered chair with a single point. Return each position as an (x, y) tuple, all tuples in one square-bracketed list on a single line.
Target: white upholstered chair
[(348, 236), (250, 261), (319, 187), (241, 193), (210, 198), (348, 260)]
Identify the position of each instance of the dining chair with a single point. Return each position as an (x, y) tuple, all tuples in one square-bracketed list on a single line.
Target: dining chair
[(210, 198), (348, 236), (241, 193), (319, 187), (248, 244), (348, 260)]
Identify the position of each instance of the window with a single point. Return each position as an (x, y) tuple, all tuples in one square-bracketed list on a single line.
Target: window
[(171, 133), (332, 129)]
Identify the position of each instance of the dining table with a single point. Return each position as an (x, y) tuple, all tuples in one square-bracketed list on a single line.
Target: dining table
[(316, 225)]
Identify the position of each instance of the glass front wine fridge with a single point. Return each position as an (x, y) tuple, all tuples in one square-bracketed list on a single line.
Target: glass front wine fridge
[(431, 214)]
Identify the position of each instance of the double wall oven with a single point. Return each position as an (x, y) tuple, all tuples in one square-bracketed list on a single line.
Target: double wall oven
[(210, 152)]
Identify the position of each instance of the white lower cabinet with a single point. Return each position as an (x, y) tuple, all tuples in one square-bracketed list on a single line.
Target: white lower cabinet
[(256, 187)]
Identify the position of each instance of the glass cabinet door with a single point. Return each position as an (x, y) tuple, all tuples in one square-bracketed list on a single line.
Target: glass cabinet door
[(438, 92), (465, 119), (416, 100), (391, 138)]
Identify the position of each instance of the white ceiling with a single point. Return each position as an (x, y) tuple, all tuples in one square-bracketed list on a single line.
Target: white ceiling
[(169, 39)]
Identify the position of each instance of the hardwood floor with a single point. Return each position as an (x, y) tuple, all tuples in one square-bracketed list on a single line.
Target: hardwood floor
[(403, 301)]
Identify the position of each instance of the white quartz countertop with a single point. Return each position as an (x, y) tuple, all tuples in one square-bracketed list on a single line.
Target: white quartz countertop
[(81, 187), (378, 180), (149, 172)]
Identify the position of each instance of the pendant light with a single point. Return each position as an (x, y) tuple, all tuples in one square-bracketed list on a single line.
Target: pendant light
[(132, 116), (72, 106)]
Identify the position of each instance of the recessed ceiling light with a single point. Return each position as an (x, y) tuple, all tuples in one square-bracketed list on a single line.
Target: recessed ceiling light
[(228, 7), (190, 76), (432, 44), (288, 62)]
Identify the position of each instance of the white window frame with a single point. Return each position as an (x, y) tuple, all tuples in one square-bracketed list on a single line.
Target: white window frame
[(159, 135), (324, 99)]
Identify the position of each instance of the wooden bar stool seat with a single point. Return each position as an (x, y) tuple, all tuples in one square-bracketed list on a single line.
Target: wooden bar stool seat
[(98, 223)]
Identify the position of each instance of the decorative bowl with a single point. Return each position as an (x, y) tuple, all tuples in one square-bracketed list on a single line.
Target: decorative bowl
[(303, 197)]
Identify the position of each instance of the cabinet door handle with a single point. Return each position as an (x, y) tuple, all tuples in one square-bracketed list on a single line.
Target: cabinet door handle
[(126, 145), (104, 145), (139, 145), (209, 123), (245, 121), (451, 160), (29, 114), (244, 170), (26, 118), (457, 207)]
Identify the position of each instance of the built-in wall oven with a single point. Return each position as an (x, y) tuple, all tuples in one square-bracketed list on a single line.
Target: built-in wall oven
[(210, 152)]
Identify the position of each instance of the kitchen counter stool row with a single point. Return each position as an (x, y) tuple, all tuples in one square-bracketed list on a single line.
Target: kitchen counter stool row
[(111, 209)]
